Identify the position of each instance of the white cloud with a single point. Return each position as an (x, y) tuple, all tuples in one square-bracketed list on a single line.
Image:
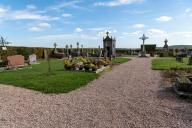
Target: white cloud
[(66, 15), (156, 32), (3, 9), (164, 18), (181, 34), (136, 11), (137, 33), (103, 32), (60, 6), (30, 13), (31, 7), (138, 26), (69, 37), (78, 30), (117, 2), (40, 27), (97, 29), (188, 10)]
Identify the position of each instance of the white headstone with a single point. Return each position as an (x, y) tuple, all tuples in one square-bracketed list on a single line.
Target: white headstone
[(33, 59)]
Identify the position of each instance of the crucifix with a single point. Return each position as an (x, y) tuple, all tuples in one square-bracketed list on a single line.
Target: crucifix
[(143, 48)]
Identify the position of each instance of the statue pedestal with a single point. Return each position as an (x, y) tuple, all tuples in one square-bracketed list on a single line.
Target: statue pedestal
[(143, 54)]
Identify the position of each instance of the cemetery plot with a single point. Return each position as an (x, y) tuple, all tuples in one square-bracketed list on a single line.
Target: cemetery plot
[(177, 73), (37, 78)]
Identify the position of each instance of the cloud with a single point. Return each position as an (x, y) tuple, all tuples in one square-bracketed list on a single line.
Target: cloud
[(78, 30), (104, 31), (179, 34), (164, 18), (136, 11), (30, 13), (62, 5), (31, 7), (138, 26), (113, 3), (156, 32), (40, 27), (188, 11), (136, 33), (69, 37), (97, 29), (66, 15)]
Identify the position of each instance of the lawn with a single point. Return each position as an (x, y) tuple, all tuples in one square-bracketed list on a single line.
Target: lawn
[(120, 60), (168, 63), (37, 78)]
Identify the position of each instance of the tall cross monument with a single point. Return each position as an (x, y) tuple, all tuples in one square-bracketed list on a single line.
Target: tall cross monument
[(143, 48)]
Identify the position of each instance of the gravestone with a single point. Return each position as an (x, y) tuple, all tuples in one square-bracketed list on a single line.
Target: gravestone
[(33, 59), (179, 58), (15, 61), (45, 54), (190, 60)]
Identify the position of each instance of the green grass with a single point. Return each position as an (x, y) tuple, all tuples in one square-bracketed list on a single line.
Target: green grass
[(168, 63), (121, 60), (37, 78)]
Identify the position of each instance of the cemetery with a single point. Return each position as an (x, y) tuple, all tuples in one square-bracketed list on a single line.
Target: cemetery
[(95, 64), (53, 70)]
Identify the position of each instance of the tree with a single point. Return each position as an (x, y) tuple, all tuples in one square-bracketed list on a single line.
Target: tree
[(3, 41)]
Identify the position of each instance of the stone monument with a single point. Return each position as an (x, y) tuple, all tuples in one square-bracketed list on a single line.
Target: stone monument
[(165, 47), (143, 53), (109, 45), (67, 50)]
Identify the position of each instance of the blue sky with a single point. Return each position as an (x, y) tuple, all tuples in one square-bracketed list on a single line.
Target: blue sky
[(43, 22)]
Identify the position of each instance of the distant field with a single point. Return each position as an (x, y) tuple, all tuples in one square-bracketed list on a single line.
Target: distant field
[(168, 63)]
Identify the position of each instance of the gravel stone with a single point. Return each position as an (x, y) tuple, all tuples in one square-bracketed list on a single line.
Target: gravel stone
[(129, 96)]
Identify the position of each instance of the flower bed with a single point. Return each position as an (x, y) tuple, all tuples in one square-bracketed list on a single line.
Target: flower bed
[(86, 64)]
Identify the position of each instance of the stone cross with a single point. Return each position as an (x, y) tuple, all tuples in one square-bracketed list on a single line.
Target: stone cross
[(67, 51), (71, 47), (55, 47), (107, 33), (143, 38), (81, 48), (78, 52)]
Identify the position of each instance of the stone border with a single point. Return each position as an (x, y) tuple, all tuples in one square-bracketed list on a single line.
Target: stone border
[(180, 93)]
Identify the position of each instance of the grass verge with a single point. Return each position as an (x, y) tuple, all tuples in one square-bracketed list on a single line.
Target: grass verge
[(169, 63)]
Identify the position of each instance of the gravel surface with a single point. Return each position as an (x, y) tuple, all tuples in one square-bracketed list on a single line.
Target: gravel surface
[(130, 95)]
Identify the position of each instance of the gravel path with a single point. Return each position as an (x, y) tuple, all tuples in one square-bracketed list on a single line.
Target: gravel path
[(128, 96)]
